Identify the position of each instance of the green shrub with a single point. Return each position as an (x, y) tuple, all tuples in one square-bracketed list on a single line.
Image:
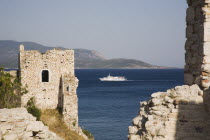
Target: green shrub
[(88, 134), (74, 123), (10, 90), (32, 109)]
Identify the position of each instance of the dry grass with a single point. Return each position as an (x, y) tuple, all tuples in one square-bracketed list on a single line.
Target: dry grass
[(53, 120)]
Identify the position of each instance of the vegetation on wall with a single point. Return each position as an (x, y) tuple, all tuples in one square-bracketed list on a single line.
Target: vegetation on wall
[(10, 90), (10, 97), (32, 109), (88, 134), (53, 119)]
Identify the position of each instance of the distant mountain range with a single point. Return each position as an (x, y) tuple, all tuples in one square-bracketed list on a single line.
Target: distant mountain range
[(84, 59)]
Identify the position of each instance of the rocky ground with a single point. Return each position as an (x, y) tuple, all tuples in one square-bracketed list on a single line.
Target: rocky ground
[(18, 124)]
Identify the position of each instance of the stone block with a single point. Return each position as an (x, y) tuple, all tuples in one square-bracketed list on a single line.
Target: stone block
[(136, 120), (133, 129), (205, 83), (156, 101), (163, 132), (37, 126), (186, 68), (188, 79), (207, 31), (190, 15), (189, 30), (195, 47), (150, 117), (173, 115), (206, 59), (188, 45), (206, 48), (158, 113), (10, 136), (134, 137), (188, 56)]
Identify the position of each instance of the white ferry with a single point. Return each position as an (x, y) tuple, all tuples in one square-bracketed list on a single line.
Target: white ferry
[(113, 78)]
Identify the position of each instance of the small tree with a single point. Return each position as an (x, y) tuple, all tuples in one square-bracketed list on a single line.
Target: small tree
[(32, 109), (10, 90)]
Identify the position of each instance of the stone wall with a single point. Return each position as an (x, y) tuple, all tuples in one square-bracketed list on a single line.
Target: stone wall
[(32, 64), (58, 90), (70, 101), (18, 124), (197, 57), (177, 114), (182, 113)]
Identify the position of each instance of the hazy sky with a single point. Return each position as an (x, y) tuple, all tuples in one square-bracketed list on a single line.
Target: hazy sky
[(148, 30)]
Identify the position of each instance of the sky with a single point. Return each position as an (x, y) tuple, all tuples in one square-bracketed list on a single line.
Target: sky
[(149, 30)]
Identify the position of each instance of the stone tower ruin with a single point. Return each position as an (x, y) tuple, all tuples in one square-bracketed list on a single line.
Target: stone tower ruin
[(197, 57), (50, 80)]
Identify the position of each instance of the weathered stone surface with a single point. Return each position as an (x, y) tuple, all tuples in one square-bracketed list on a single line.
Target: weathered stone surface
[(1, 134), (42, 74), (133, 129), (156, 101), (134, 137), (136, 120), (197, 45), (188, 78), (206, 48), (179, 114), (157, 95), (50, 80), (22, 125), (206, 68), (183, 113)]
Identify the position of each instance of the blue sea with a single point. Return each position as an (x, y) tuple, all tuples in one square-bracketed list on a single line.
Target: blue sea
[(106, 109)]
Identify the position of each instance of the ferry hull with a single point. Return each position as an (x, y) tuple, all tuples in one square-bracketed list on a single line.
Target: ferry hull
[(112, 79)]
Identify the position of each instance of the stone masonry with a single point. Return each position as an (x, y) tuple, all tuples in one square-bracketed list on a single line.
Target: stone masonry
[(49, 78), (69, 100), (177, 114), (18, 124), (197, 57), (32, 65), (182, 113)]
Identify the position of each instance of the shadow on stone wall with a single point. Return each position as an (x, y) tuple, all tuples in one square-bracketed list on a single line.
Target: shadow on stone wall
[(60, 96), (190, 120)]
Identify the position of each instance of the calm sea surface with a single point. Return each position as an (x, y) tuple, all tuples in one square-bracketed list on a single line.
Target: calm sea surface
[(106, 109)]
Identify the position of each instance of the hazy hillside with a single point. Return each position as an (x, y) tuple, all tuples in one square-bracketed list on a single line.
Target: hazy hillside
[(84, 59), (118, 64)]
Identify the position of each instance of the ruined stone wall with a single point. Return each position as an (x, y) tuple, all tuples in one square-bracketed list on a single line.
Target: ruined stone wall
[(197, 57), (197, 68), (177, 114), (69, 101), (60, 91), (32, 63), (18, 124), (182, 113)]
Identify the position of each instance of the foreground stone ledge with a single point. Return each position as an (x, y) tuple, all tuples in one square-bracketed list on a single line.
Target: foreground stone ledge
[(18, 124), (176, 114)]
